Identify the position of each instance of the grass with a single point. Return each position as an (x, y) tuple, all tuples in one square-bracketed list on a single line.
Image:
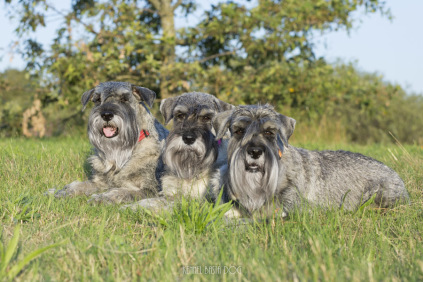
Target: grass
[(103, 243)]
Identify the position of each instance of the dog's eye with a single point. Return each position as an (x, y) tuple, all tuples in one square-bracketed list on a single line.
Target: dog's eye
[(206, 119), (97, 99), (180, 116), (124, 99), (239, 131), (268, 133)]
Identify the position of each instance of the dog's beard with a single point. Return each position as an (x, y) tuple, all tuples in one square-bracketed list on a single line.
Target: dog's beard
[(189, 161), (253, 181), (116, 149)]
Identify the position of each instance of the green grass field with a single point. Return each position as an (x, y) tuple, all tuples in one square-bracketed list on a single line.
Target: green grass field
[(104, 243)]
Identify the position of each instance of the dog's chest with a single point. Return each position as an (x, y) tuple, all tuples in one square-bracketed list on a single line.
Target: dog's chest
[(194, 188)]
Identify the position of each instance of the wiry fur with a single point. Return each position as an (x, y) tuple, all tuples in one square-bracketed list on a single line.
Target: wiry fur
[(122, 168), (189, 167), (287, 177)]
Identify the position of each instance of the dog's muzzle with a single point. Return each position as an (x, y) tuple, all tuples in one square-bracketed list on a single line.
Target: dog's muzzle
[(189, 138), (109, 129), (255, 152), (254, 159)]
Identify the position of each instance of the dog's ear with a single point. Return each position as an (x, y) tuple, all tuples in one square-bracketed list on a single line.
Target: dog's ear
[(221, 123), (144, 94), (86, 97), (166, 108), (286, 129), (222, 106)]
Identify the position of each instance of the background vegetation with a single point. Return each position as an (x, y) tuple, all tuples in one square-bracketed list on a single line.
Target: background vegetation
[(243, 52)]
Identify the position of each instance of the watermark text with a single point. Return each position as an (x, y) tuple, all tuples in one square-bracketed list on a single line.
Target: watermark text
[(211, 269)]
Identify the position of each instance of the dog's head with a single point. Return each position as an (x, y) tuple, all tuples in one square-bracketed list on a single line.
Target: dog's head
[(191, 146), (113, 121), (259, 137)]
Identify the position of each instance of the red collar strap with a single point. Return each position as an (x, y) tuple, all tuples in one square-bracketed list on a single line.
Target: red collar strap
[(143, 134)]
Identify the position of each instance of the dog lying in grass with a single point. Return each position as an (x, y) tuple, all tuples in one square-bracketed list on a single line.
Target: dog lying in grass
[(264, 173)]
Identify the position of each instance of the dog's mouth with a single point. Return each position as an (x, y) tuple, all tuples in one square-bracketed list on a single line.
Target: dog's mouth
[(110, 131), (252, 167)]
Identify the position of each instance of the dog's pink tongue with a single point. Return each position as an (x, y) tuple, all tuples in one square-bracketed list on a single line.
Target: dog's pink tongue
[(109, 131)]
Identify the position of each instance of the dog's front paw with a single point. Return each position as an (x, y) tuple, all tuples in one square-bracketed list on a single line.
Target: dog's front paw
[(233, 213), (155, 205), (97, 199), (64, 193), (69, 190), (50, 191), (113, 196), (77, 188)]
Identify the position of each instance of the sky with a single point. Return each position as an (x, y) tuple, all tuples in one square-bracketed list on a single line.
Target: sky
[(393, 49)]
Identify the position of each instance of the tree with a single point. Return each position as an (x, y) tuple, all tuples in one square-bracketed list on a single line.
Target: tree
[(241, 51), (135, 40), (18, 91)]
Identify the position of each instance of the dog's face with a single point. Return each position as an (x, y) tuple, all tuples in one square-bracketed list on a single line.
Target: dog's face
[(259, 136), (191, 146), (113, 122)]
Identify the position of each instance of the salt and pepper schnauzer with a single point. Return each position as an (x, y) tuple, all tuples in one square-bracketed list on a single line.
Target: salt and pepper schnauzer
[(192, 153), (264, 170), (126, 139)]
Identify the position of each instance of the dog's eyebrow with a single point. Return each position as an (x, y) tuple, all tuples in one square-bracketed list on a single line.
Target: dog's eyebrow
[(122, 91), (241, 122), (242, 119), (181, 109), (270, 125), (204, 112)]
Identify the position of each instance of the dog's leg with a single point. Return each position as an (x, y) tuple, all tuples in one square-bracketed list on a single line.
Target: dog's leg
[(154, 205), (77, 188), (137, 180), (121, 195), (233, 213), (390, 193)]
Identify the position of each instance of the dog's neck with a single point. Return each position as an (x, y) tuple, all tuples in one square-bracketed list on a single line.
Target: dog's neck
[(143, 134), (148, 122), (197, 187)]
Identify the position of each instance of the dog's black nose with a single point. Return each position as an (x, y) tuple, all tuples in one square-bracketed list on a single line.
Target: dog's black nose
[(255, 152), (107, 116), (188, 138)]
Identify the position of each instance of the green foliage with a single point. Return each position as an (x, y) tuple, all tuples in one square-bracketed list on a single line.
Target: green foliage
[(20, 210), (17, 91), (366, 107), (9, 267), (193, 216), (244, 53), (196, 217)]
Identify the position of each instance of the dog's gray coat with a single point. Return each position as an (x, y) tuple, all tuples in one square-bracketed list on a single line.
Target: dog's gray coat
[(188, 167), (289, 176), (191, 153), (123, 168)]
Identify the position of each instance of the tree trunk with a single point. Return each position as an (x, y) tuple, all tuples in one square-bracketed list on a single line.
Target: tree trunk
[(165, 9)]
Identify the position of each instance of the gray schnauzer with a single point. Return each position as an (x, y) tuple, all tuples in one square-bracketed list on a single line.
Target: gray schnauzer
[(126, 139), (263, 170), (191, 153)]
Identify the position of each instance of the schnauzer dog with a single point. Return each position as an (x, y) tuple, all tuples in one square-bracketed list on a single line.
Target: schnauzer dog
[(126, 139), (191, 153), (263, 170)]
